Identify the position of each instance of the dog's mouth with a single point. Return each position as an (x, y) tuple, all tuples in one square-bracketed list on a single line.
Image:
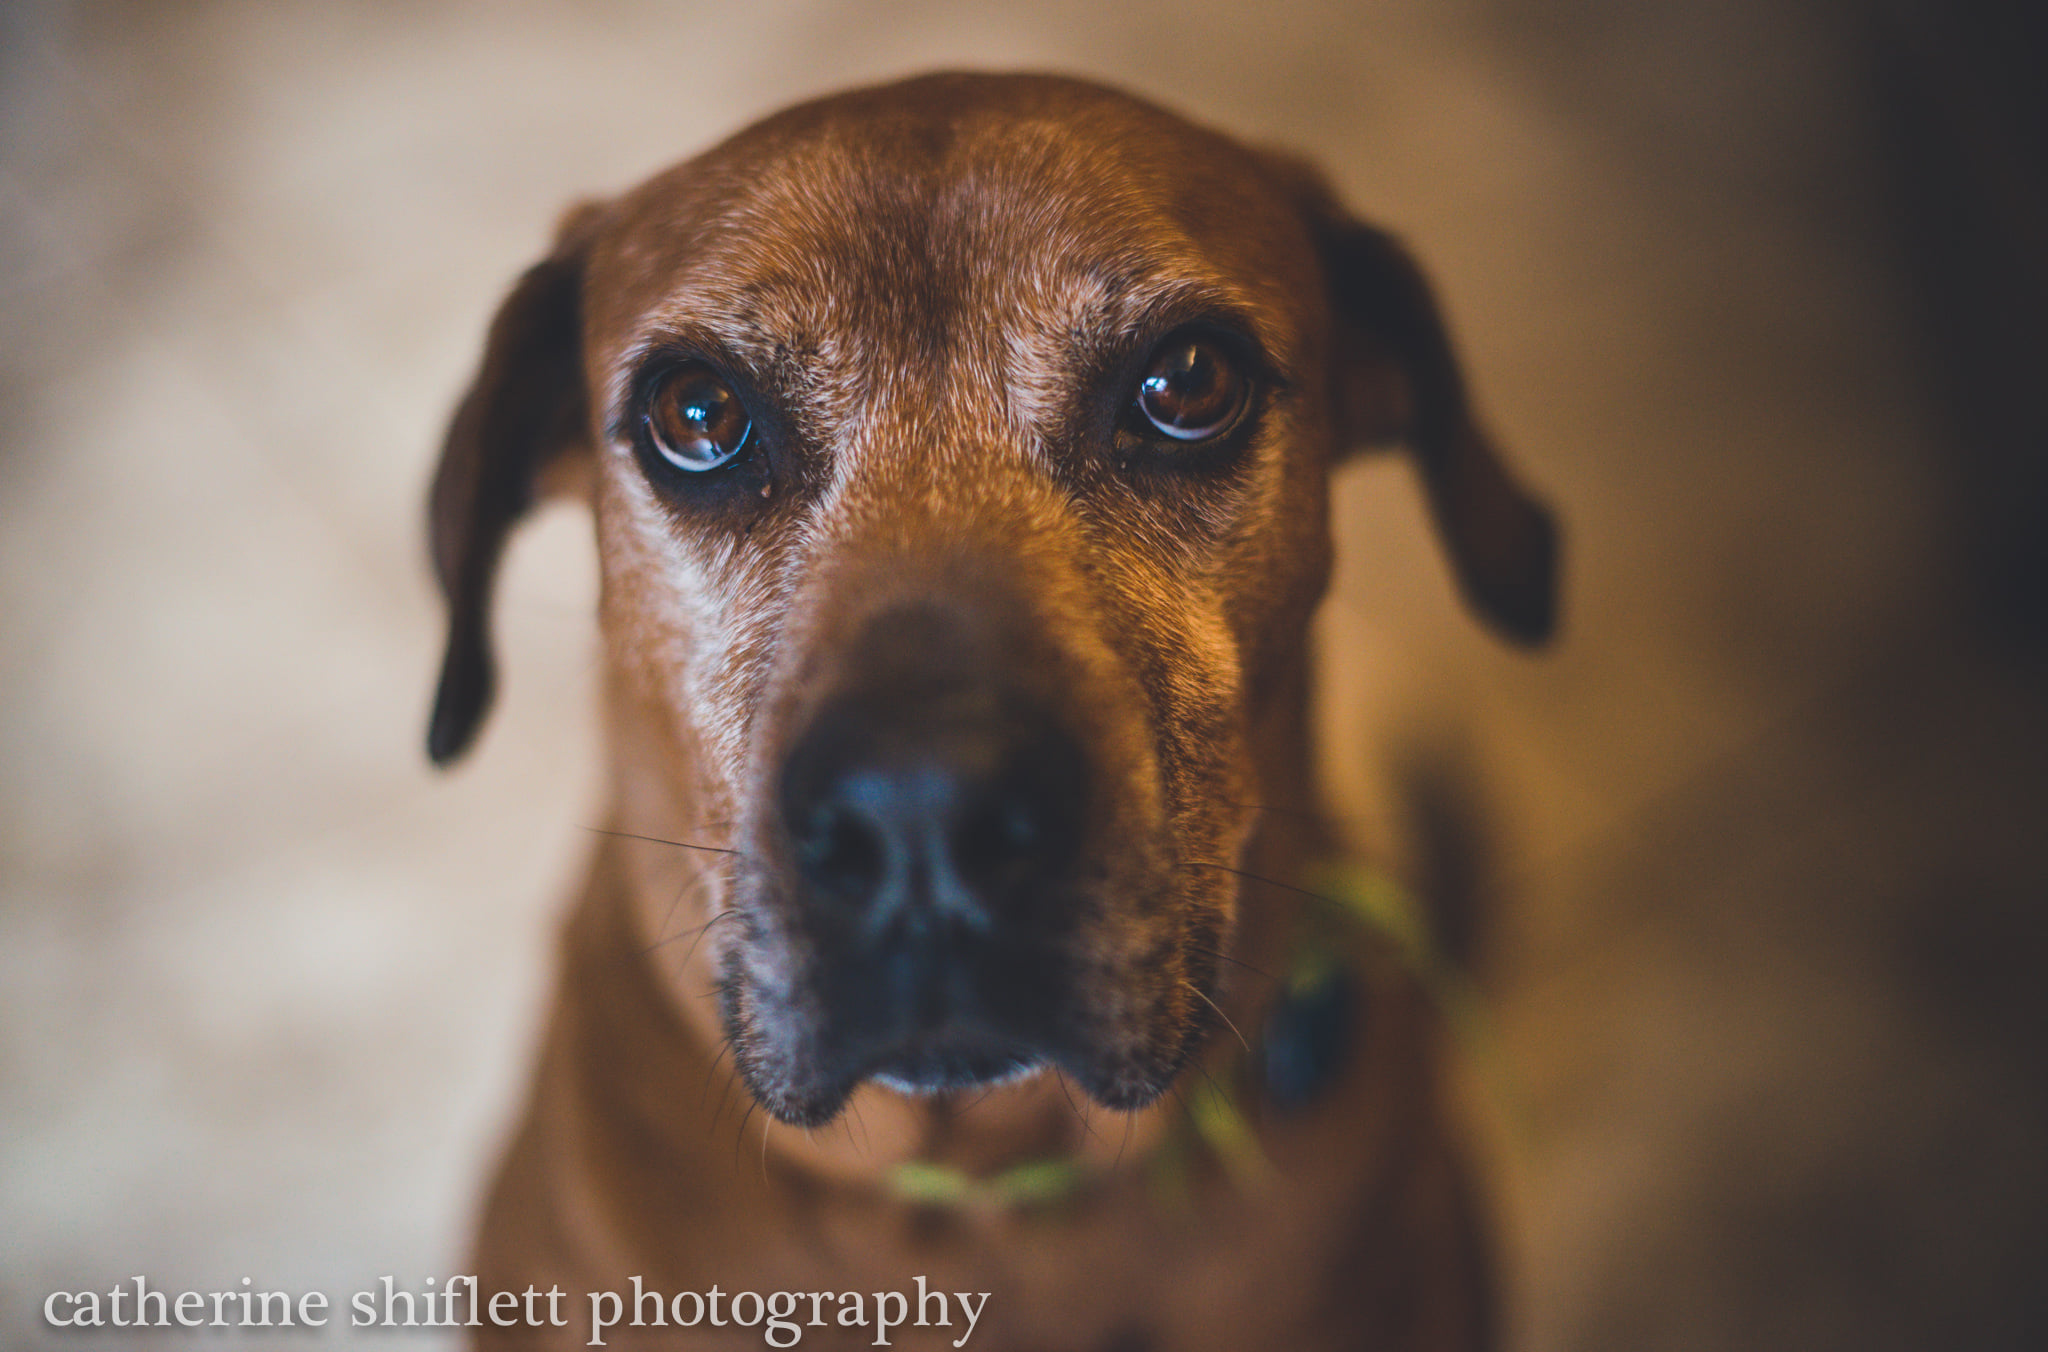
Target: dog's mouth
[(806, 1033), (946, 1064), (919, 1014), (936, 1009)]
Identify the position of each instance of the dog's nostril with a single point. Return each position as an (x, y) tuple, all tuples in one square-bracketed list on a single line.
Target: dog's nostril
[(996, 841), (840, 851)]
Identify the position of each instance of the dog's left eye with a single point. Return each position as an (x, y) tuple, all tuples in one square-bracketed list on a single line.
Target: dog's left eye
[(1192, 390), (696, 421)]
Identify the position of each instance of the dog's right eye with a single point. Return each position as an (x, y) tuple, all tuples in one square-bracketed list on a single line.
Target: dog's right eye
[(695, 420)]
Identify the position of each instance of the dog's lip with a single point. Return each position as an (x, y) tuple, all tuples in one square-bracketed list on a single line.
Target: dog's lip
[(936, 1065), (810, 1092)]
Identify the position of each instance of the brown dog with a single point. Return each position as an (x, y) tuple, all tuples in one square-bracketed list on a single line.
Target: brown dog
[(958, 451)]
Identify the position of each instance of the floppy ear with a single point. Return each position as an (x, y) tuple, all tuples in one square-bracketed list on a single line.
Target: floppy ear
[(524, 413), (1396, 378)]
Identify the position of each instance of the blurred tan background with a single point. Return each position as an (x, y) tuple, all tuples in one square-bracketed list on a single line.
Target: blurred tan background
[(1754, 863)]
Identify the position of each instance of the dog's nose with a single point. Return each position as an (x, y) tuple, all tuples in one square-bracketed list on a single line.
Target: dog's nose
[(932, 786), (931, 809)]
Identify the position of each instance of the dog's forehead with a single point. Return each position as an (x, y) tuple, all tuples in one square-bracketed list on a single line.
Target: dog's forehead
[(922, 215)]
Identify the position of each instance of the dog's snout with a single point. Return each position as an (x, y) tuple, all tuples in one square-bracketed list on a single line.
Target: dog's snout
[(913, 809), (930, 821)]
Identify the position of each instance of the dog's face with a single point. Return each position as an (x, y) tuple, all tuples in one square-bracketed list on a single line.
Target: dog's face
[(958, 452)]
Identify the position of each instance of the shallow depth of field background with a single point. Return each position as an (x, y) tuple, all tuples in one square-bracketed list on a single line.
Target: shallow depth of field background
[(1752, 290)]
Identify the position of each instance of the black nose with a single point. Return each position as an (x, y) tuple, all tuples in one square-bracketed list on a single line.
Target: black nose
[(932, 786), (942, 806)]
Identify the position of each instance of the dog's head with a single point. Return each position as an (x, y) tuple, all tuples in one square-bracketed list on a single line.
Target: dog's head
[(959, 454)]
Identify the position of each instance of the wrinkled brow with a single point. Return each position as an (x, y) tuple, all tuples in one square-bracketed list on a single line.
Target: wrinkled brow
[(1041, 328)]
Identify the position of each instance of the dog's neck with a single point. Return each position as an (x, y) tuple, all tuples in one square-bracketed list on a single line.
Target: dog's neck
[(666, 858)]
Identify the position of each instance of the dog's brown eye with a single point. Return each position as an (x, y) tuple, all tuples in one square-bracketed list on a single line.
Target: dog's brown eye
[(1193, 390), (696, 421)]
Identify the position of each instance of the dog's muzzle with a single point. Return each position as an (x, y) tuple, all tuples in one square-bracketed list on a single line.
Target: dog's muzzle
[(930, 829), (930, 815)]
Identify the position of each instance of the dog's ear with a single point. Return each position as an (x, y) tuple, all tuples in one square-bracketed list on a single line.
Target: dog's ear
[(524, 415), (1395, 378)]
